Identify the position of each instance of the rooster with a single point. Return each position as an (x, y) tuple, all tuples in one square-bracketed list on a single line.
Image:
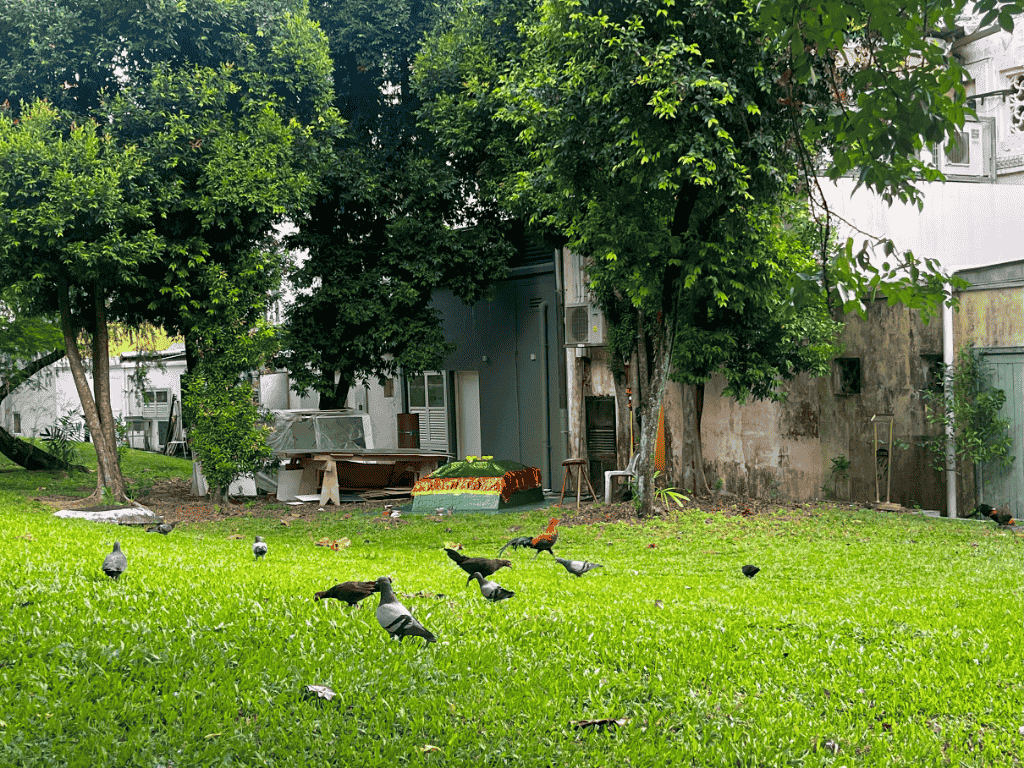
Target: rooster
[(998, 516), (350, 591), (542, 543), (483, 565)]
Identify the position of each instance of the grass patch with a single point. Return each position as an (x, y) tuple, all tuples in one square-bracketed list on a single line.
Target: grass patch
[(140, 469), (867, 639)]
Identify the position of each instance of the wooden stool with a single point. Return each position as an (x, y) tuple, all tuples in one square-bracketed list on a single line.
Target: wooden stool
[(581, 474)]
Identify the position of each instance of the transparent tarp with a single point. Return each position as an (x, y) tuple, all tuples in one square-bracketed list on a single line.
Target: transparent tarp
[(320, 432)]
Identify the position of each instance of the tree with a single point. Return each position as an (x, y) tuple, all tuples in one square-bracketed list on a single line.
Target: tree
[(659, 138), (381, 234), (217, 104), (72, 233)]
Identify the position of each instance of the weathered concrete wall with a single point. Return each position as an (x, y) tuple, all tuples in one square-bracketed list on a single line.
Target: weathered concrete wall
[(990, 318), (785, 449), (762, 448)]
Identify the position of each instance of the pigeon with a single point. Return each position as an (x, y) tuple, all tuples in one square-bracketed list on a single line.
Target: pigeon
[(164, 528), (259, 547), (350, 591), (395, 618), (750, 571), (115, 563), (485, 565), (491, 590), (577, 567)]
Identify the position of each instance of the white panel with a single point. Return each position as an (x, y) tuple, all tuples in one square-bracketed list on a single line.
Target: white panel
[(467, 413)]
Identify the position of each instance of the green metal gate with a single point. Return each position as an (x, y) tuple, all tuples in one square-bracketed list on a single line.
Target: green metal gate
[(999, 485)]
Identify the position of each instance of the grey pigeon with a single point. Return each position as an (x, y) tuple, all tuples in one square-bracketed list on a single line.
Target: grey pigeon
[(577, 567), (115, 563), (163, 528), (259, 547), (750, 571), (395, 618), (492, 590)]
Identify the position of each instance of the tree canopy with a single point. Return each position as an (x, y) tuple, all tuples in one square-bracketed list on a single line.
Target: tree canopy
[(196, 125), (393, 220), (661, 138)]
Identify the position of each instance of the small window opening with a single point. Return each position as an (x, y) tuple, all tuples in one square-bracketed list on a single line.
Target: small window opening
[(847, 376)]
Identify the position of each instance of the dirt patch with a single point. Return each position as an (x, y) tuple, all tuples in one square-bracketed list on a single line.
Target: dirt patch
[(172, 501)]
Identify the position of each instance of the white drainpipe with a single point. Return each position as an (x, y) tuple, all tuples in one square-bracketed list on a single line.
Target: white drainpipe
[(947, 361)]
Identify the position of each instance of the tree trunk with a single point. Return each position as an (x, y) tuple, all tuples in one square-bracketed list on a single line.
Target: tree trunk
[(337, 400), (101, 388), (692, 449), (653, 379), (22, 452), (108, 473)]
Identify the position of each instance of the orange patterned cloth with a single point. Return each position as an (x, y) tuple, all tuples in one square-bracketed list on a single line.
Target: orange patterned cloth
[(505, 485)]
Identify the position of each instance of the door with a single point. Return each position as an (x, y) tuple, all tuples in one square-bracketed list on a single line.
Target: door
[(467, 413), (1001, 485), (428, 397)]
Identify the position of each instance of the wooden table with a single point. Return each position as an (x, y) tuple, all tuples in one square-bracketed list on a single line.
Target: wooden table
[(420, 462)]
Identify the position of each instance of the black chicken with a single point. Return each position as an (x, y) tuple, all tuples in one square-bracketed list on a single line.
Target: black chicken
[(350, 591), (541, 543), (482, 565)]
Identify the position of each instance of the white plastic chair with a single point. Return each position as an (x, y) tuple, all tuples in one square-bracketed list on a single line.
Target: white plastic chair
[(629, 471)]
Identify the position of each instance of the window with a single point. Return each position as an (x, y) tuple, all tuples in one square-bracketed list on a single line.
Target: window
[(932, 367), (847, 376), (1016, 83), (155, 396), (17, 424)]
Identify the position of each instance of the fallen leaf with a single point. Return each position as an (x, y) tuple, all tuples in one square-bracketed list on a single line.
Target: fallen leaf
[(213, 735), (429, 748), (286, 523), (659, 603), (651, 546), (236, 537), (603, 723), (325, 542), (27, 537), (343, 543), (452, 545), (319, 692)]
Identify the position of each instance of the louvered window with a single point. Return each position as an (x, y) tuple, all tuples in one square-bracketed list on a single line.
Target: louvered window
[(428, 396)]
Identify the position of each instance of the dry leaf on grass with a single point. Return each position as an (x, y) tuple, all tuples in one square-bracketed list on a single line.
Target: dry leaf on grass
[(602, 724), (235, 537)]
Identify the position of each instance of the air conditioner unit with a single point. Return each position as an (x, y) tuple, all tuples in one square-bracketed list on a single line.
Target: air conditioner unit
[(969, 155), (584, 325)]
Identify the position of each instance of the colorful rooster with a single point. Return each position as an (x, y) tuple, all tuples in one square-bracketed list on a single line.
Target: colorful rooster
[(542, 543)]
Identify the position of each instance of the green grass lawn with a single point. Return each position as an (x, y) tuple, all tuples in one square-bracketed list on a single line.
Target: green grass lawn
[(868, 639), (140, 468)]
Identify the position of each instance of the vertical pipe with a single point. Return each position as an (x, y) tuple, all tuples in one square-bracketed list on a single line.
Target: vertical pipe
[(542, 317), (947, 362)]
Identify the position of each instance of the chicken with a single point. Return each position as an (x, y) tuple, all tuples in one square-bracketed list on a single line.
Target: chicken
[(491, 590), (115, 563), (750, 571), (542, 543), (259, 547), (486, 566), (577, 567), (999, 516), (350, 591), (395, 618), (164, 528)]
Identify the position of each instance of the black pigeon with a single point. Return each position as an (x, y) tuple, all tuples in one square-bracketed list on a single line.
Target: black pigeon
[(577, 567), (115, 563), (395, 618), (491, 590), (750, 571), (163, 528), (350, 591), (259, 547)]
